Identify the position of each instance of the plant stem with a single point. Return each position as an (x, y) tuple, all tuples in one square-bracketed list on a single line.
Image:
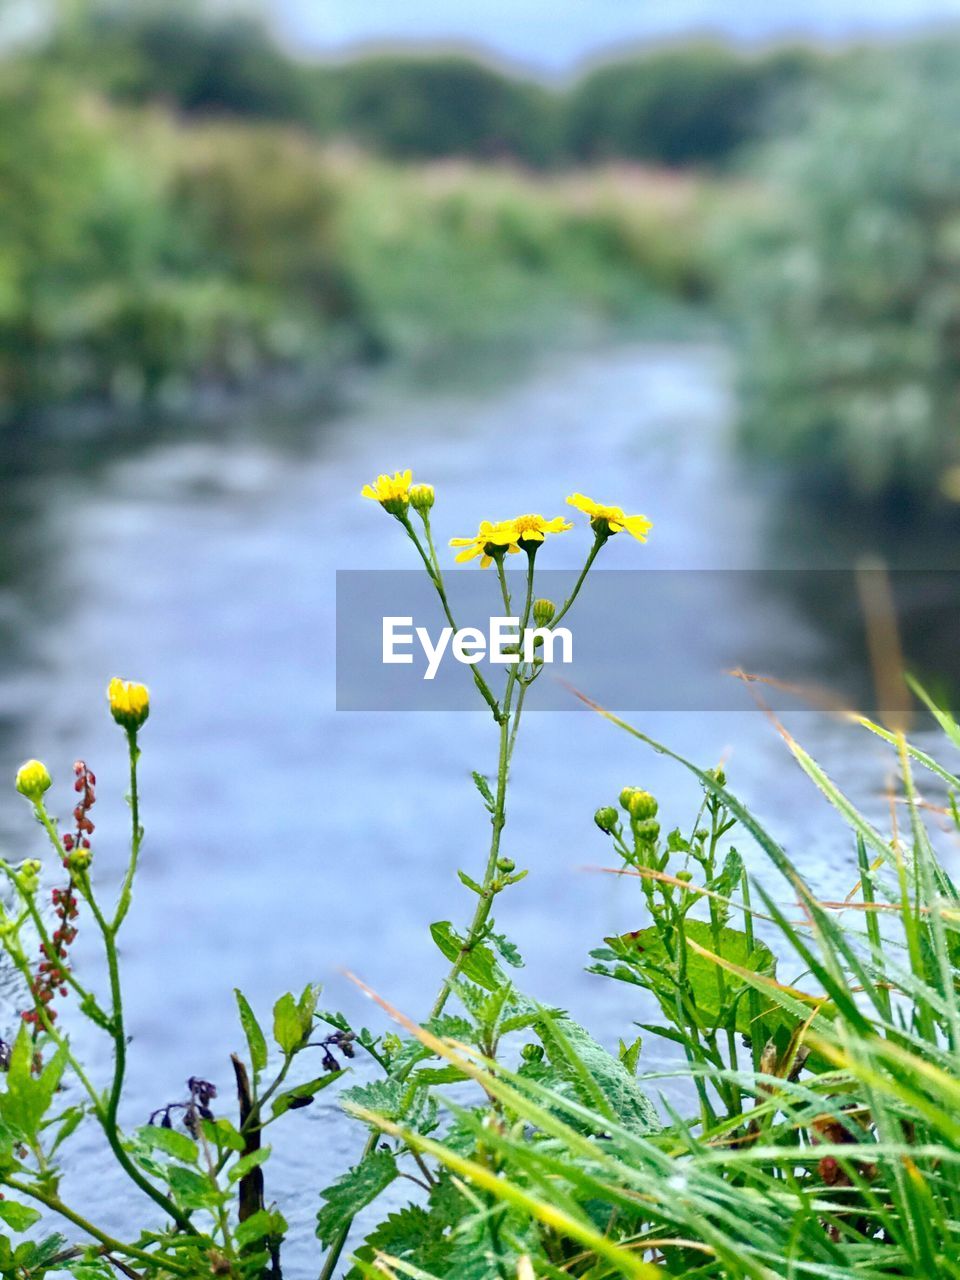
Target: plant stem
[(598, 542)]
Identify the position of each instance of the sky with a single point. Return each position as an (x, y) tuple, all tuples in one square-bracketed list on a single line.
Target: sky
[(553, 36)]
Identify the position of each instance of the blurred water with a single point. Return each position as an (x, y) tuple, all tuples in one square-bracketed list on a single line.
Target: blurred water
[(286, 841)]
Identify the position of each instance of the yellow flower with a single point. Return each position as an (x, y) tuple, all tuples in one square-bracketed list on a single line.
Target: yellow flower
[(507, 535), (534, 528), (392, 492), (489, 541), (33, 779), (129, 703), (608, 520)]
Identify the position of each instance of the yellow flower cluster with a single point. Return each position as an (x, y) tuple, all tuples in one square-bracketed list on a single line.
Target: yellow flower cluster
[(508, 536), (129, 703)]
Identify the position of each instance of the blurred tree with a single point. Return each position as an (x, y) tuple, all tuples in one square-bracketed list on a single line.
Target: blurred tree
[(694, 104)]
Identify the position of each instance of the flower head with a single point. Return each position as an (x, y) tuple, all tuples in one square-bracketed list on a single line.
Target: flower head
[(520, 533), (33, 779), (392, 492), (490, 541), (610, 520), (129, 703)]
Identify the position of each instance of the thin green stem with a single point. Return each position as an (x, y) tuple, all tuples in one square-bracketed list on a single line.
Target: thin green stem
[(598, 542), (136, 840)]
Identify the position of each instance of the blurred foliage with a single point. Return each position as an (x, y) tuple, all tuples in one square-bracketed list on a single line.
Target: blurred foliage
[(848, 282)]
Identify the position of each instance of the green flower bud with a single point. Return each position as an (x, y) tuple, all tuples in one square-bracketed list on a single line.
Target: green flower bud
[(625, 795), (685, 876), (33, 780), (646, 830), (129, 703), (543, 612), (701, 833), (641, 804), (80, 859), (421, 497), (506, 864), (606, 819), (28, 876), (532, 1053)]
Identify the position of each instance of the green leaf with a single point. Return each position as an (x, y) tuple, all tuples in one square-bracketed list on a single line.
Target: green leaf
[(252, 1161), (256, 1040), (507, 949), (591, 1071), (357, 1188), (646, 951), (479, 966), (307, 1007), (171, 1142), (258, 1226), (287, 1027), (483, 786), (308, 1090), (18, 1217), (192, 1189), (28, 1096)]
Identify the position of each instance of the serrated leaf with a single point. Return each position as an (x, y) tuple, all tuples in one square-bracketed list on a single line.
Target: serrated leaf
[(258, 1226), (483, 786), (479, 964), (256, 1040), (357, 1188), (191, 1188)]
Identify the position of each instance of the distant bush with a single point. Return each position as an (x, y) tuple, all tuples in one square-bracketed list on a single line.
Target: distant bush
[(849, 290)]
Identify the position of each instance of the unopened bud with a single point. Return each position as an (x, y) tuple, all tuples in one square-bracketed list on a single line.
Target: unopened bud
[(543, 612), (421, 497), (80, 859), (129, 703), (28, 876), (532, 1053), (641, 804), (33, 779), (646, 830), (685, 876), (506, 864), (606, 819)]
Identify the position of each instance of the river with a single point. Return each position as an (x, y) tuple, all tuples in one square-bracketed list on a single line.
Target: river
[(287, 842)]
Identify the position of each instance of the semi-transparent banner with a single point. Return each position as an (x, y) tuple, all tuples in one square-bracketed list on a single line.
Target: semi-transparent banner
[(645, 640)]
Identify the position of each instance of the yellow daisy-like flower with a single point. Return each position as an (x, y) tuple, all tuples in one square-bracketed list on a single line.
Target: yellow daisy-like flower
[(129, 702), (392, 492), (490, 540), (608, 520), (534, 528)]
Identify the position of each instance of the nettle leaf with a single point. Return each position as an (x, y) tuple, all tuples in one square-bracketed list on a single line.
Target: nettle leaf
[(307, 1007), (479, 966), (287, 1027), (386, 1097), (171, 1142), (591, 1071), (256, 1040), (302, 1094), (646, 952), (18, 1217), (357, 1188)]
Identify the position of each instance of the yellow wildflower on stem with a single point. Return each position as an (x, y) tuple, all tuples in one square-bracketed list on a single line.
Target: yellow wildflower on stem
[(129, 703), (392, 492), (609, 520), (489, 542)]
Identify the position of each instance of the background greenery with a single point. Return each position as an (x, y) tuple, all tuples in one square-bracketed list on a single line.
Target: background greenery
[(191, 206)]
